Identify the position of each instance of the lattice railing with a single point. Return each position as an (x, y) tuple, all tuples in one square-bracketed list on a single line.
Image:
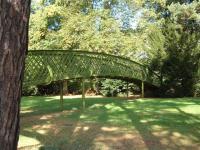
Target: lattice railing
[(45, 66)]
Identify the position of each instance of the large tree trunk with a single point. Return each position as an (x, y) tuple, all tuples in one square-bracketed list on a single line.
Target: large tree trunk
[(14, 17)]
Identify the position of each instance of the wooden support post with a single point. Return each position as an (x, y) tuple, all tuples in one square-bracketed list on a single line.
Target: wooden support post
[(142, 89), (127, 90), (97, 87), (61, 94), (65, 87), (83, 93)]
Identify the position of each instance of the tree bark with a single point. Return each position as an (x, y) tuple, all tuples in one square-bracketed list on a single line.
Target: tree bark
[(14, 18)]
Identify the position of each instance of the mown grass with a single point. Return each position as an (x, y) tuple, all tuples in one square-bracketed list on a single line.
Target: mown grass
[(158, 123)]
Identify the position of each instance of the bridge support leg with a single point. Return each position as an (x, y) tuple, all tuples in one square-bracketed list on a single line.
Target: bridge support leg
[(127, 91), (142, 88), (61, 94), (83, 93), (65, 87)]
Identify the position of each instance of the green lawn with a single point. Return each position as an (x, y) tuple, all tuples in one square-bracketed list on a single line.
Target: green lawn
[(110, 123)]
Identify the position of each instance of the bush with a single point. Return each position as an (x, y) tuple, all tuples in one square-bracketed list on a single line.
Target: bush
[(50, 89), (30, 91), (197, 90), (111, 87), (74, 87)]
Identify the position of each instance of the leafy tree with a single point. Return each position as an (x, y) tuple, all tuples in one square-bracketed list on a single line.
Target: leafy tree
[(86, 25), (172, 44), (182, 47)]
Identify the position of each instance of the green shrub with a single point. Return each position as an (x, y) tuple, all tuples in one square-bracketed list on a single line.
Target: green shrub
[(197, 90), (111, 87), (30, 91)]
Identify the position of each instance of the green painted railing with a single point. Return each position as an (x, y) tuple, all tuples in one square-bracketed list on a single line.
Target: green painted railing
[(45, 66)]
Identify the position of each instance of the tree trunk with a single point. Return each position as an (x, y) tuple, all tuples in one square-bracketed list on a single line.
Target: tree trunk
[(14, 18)]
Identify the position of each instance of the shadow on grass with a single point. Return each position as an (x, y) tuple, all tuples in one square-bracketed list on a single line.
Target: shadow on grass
[(161, 123)]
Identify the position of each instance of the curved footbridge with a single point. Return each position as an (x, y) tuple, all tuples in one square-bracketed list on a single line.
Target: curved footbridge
[(45, 66)]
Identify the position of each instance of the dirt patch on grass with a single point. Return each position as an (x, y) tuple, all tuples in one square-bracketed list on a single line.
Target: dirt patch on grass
[(59, 133)]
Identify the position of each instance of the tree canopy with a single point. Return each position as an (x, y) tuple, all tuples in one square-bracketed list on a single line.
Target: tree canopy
[(162, 34)]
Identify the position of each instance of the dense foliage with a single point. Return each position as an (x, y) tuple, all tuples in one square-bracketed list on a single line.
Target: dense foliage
[(163, 34), (176, 56), (84, 25)]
